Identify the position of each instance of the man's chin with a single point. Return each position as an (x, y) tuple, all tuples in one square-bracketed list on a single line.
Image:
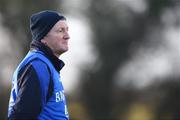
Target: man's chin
[(65, 50)]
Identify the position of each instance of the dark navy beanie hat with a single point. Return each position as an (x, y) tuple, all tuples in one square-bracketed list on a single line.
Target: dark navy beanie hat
[(42, 22)]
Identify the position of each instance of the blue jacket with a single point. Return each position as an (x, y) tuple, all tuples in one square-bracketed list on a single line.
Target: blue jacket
[(37, 91)]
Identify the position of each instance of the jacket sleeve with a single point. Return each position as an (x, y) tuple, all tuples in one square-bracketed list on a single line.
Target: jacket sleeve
[(32, 83)]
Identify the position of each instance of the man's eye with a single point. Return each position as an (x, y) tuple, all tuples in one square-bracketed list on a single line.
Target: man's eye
[(59, 30)]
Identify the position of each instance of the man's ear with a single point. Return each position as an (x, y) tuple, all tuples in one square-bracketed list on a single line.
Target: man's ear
[(44, 41)]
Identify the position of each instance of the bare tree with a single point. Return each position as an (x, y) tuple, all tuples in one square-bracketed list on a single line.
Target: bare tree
[(116, 30)]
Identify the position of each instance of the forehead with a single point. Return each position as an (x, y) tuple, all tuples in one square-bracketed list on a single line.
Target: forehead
[(60, 24)]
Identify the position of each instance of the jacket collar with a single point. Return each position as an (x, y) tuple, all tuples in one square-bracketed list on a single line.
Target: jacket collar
[(57, 63)]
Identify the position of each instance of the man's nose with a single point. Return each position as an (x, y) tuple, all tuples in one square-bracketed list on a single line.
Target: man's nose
[(67, 36)]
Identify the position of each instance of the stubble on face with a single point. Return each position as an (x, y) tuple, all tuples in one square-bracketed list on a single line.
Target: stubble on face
[(58, 37)]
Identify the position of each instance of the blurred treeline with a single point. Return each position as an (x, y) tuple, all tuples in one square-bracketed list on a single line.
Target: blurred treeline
[(118, 32)]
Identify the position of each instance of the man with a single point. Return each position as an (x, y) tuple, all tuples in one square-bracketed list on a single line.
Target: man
[(37, 91)]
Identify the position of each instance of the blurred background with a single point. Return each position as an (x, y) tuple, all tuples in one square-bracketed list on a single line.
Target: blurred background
[(123, 62)]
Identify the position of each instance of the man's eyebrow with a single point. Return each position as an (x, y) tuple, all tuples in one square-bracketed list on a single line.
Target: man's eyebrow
[(62, 27)]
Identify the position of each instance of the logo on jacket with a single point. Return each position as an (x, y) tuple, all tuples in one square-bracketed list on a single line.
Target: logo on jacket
[(60, 96)]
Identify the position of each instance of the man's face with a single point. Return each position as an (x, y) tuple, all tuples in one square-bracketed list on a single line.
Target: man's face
[(57, 38)]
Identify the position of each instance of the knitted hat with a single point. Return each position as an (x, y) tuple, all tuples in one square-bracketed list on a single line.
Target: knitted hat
[(42, 22)]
